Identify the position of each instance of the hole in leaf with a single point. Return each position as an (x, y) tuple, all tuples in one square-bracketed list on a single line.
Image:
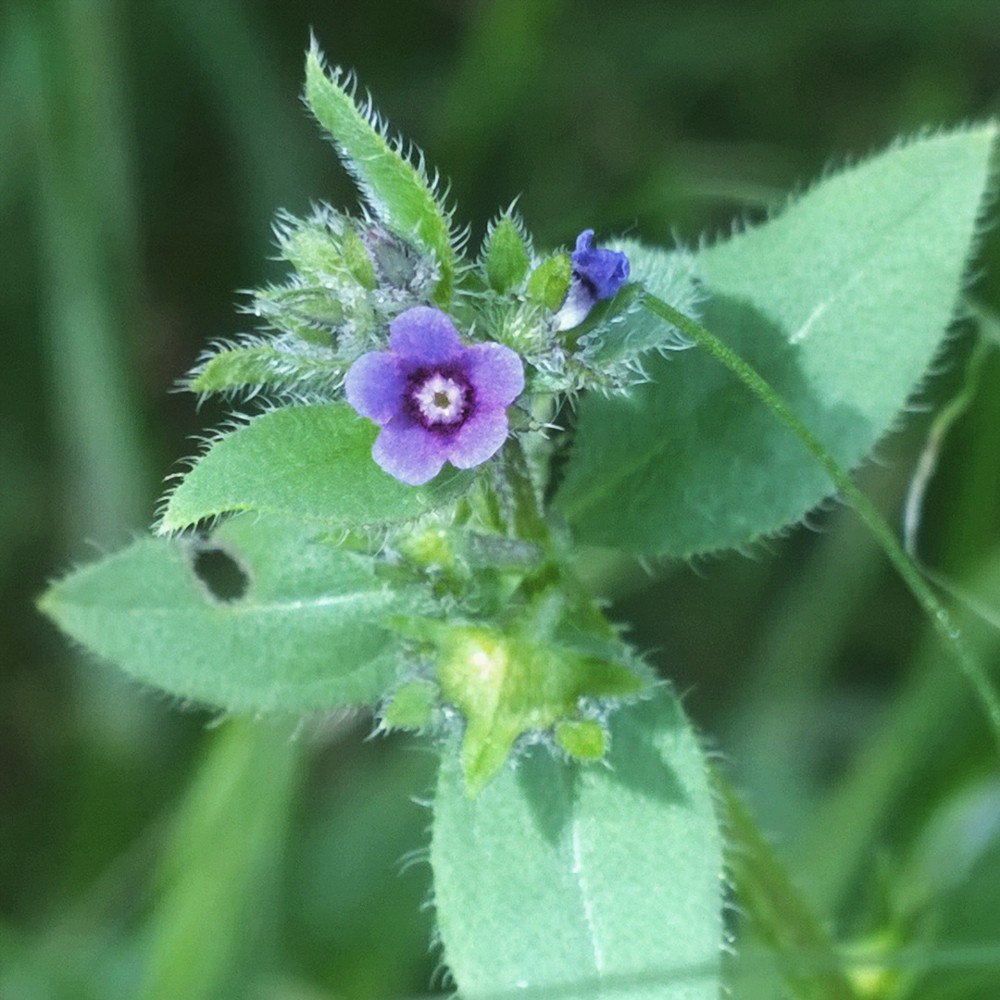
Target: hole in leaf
[(224, 577)]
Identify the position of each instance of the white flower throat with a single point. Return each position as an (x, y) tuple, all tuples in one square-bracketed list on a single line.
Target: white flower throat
[(441, 400)]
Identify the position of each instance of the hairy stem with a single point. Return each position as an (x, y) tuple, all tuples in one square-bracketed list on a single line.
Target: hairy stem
[(529, 521)]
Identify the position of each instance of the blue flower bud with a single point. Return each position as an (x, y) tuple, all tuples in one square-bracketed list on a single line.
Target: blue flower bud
[(596, 275)]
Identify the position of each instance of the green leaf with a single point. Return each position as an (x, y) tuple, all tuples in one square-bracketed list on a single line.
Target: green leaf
[(358, 260), (252, 366), (411, 705), (506, 255), (840, 303), (601, 881), (306, 635), (398, 191), (310, 462), (583, 738)]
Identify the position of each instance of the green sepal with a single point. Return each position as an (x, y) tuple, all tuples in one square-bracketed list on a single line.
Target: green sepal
[(313, 313), (549, 282), (314, 246), (411, 706), (397, 191), (584, 739), (506, 255), (350, 278), (358, 260)]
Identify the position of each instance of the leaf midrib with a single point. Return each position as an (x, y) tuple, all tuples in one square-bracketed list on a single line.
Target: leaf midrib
[(243, 606)]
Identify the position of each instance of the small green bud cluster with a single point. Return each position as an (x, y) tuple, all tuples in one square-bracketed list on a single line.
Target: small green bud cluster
[(349, 278), (525, 300)]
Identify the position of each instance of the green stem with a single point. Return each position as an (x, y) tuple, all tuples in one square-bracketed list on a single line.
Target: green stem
[(883, 534), (529, 521)]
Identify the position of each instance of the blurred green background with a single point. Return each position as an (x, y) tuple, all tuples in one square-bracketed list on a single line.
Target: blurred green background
[(144, 851)]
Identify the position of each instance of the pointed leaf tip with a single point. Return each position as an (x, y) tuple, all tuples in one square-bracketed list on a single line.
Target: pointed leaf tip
[(308, 632), (397, 190)]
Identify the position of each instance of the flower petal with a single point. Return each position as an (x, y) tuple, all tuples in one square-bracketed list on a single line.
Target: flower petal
[(496, 373), (585, 241), (580, 299), (374, 386), (479, 438), (424, 336), (410, 453)]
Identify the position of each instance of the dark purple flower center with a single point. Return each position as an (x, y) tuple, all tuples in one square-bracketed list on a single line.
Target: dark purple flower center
[(439, 398)]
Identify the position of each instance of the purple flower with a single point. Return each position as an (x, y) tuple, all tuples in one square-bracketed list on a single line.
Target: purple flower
[(435, 399), (596, 275)]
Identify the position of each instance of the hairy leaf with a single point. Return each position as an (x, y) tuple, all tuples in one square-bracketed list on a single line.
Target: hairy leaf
[(251, 366), (301, 631), (310, 462), (585, 881), (548, 283), (398, 191), (840, 303)]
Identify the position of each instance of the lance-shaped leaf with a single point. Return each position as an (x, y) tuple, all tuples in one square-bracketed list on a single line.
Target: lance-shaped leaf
[(309, 462), (841, 303), (304, 635), (397, 190), (586, 881), (252, 366)]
